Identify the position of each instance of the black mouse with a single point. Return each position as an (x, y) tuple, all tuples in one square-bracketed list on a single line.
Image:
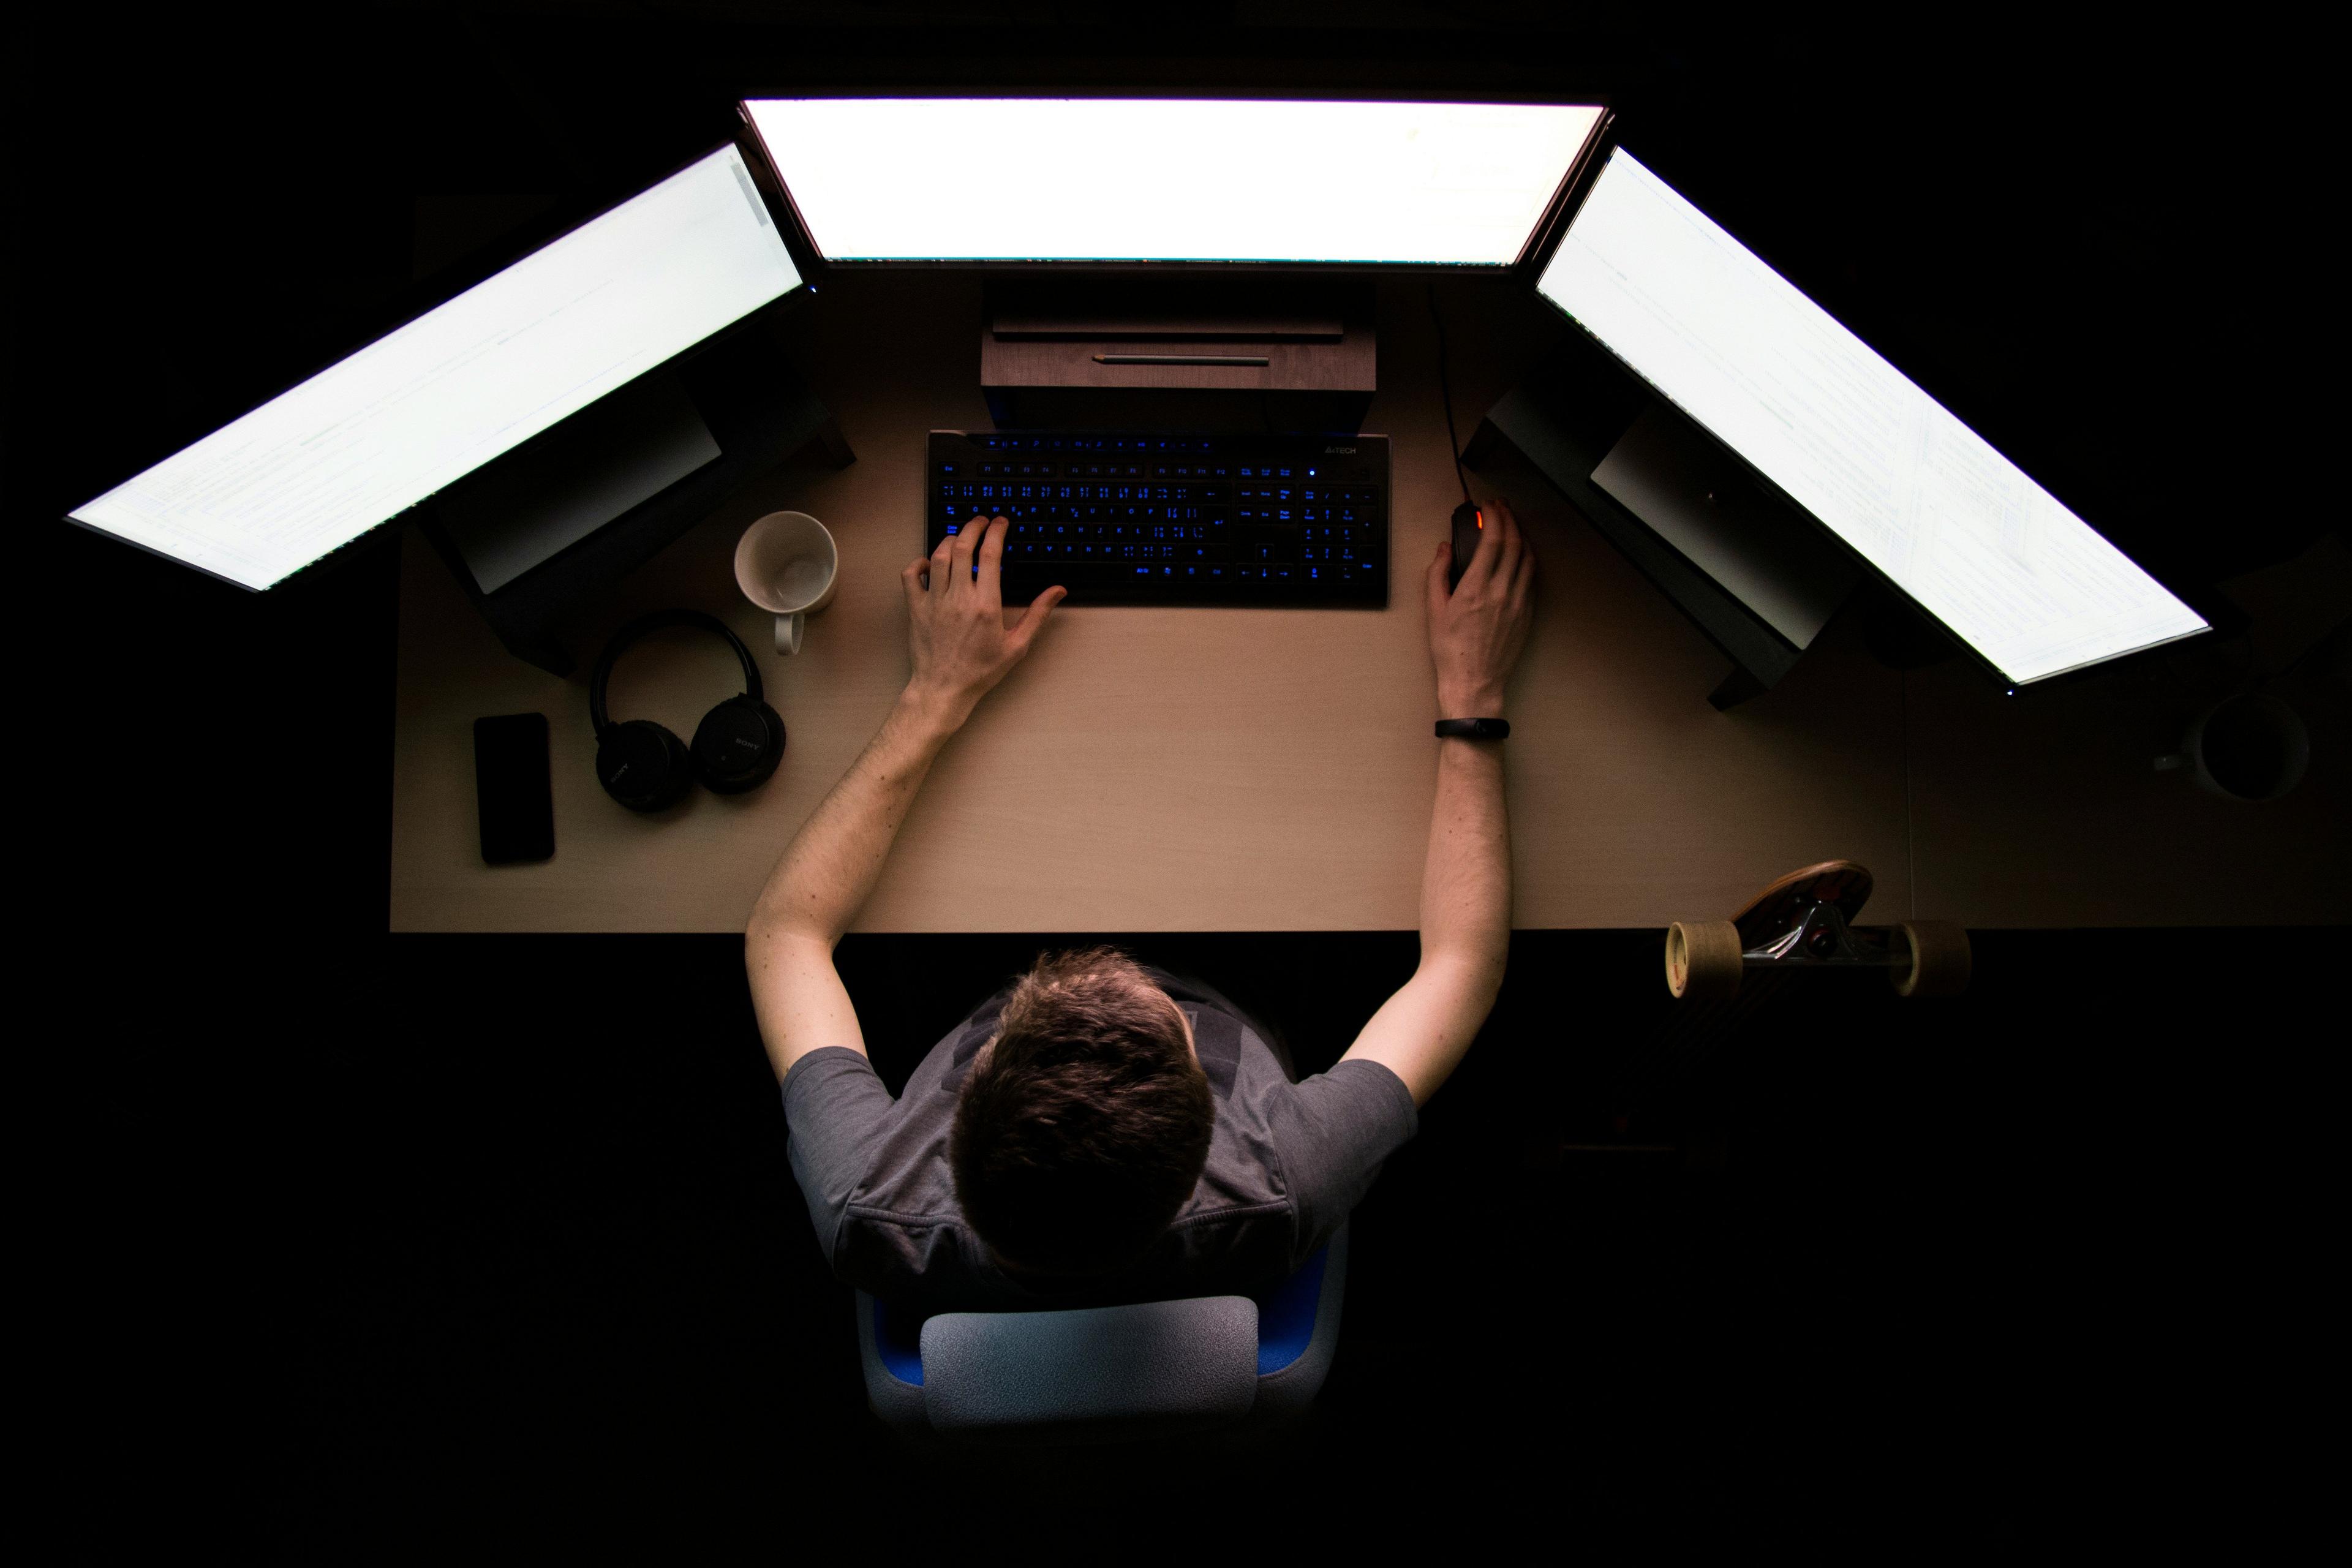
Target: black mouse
[(1468, 521)]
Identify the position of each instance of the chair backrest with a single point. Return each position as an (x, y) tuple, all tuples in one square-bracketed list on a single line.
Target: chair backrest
[(1146, 1370), (1097, 1373)]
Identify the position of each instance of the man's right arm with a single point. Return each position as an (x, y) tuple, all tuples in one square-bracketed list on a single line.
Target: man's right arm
[(1475, 633)]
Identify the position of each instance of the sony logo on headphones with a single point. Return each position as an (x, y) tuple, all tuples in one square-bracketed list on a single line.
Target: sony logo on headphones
[(747, 745)]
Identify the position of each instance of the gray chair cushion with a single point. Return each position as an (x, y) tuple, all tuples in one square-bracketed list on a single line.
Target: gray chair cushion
[(1096, 1373)]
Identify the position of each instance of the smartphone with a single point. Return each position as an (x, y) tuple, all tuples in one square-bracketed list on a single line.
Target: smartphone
[(512, 788)]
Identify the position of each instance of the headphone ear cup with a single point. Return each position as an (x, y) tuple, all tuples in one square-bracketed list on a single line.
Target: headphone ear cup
[(642, 766), (737, 745)]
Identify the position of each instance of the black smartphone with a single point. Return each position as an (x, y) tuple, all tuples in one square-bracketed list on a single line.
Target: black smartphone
[(512, 788)]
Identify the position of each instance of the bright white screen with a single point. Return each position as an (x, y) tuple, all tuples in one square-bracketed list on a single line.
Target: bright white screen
[(365, 440), (1170, 180), (1849, 437)]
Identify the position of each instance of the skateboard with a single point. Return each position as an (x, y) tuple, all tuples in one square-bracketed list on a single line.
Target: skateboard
[(1806, 920)]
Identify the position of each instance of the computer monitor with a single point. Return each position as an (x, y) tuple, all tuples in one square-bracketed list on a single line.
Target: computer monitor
[(1852, 441), (1172, 181), (432, 401)]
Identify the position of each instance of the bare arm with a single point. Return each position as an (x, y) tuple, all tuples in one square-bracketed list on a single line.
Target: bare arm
[(1476, 634), (961, 649)]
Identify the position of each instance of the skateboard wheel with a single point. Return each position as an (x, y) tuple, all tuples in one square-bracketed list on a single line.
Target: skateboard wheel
[(1939, 960), (1702, 960)]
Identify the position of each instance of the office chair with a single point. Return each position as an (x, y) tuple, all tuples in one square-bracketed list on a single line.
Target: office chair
[(1105, 1374)]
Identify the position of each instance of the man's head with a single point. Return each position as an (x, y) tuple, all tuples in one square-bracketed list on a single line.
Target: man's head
[(1083, 1127)]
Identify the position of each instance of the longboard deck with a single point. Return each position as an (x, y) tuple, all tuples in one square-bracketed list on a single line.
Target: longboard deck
[(1845, 883)]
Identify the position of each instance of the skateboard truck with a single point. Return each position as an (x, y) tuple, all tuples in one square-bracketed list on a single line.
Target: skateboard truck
[(1804, 920)]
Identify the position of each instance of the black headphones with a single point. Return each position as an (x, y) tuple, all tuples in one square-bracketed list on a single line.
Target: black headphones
[(642, 766)]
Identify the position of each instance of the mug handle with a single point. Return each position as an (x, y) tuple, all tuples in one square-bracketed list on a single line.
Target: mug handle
[(788, 631)]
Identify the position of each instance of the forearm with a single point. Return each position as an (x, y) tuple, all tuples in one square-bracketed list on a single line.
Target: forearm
[(1465, 882), (828, 870), (1423, 1031)]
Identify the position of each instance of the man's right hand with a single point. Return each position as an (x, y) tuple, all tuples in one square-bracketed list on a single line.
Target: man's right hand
[(956, 628), (1476, 630)]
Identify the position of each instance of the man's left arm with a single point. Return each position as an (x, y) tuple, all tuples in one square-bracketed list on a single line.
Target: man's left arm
[(961, 648)]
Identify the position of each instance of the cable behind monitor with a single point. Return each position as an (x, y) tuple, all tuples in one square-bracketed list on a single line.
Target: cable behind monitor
[(1445, 391)]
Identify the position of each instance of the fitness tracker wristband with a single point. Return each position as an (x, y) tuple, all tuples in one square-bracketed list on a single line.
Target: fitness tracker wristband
[(1475, 728)]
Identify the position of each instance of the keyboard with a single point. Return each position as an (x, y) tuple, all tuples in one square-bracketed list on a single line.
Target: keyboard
[(1161, 518)]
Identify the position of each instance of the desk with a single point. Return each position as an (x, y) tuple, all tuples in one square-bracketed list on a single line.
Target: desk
[(1243, 770)]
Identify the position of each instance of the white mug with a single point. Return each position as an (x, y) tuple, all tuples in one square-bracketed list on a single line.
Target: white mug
[(786, 563), (2248, 747)]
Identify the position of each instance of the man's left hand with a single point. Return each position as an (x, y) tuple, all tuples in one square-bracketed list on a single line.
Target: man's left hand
[(956, 626)]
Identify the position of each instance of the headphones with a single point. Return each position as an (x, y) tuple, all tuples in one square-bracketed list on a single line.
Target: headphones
[(642, 766)]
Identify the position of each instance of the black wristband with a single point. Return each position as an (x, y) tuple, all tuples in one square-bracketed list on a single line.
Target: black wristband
[(1475, 728)]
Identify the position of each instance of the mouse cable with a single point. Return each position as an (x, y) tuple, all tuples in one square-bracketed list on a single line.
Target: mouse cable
[(1445, 391)]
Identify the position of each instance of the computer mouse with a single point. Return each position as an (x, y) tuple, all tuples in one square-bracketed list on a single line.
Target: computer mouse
[(1468, 520)]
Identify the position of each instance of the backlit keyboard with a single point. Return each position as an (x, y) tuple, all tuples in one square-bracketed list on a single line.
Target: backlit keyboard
[(1129, 518)]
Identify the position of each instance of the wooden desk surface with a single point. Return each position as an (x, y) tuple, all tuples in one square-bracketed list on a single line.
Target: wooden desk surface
[(1242, 770)]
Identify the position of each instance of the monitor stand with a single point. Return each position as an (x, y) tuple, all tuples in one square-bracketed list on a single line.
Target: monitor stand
[(557, 489), (538, 537), (1756, 578), (1118, 352), (1681, 483)]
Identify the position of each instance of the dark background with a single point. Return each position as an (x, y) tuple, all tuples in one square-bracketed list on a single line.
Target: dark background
[(364, 1242)]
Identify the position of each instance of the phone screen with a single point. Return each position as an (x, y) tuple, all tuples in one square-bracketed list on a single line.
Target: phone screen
[(512, 787)]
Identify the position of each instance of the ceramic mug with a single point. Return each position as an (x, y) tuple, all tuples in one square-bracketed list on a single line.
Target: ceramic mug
[(786, 563), (2250, 747)]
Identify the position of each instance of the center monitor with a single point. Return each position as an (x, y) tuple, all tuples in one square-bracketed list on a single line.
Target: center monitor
[(1110, 180)]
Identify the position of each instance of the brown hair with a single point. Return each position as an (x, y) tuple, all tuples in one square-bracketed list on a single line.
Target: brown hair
[(1081, 1131)]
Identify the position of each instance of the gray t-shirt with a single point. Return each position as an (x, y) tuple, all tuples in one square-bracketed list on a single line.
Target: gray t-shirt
[(1286, 1161)]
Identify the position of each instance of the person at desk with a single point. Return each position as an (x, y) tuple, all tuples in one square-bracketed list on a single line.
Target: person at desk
[(1102, 1132)]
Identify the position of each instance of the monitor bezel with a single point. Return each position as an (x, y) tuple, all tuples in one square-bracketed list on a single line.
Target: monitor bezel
[(2198, 602), (1531, 251), (426, 295)]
